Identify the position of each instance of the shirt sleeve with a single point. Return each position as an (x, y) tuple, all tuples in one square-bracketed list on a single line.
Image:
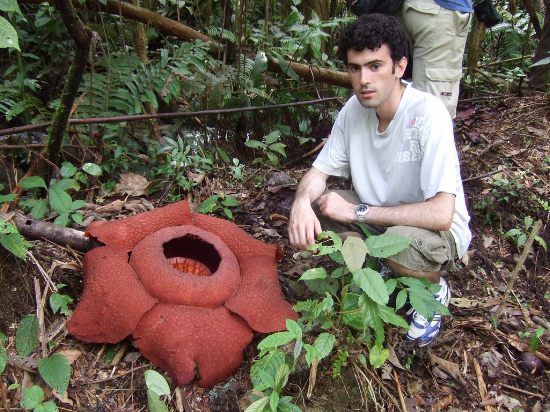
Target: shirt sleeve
[(440, 170), (333, 159)]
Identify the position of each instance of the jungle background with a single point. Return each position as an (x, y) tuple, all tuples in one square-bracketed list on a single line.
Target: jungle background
[(123, 107)]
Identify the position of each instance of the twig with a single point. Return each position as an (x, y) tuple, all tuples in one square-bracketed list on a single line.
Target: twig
[(399, 390), (120, 119), (40, 299), (481, 385), (381, 385), (518, 267), (512, 388), (114, 377), (119, 354), (46, 277)]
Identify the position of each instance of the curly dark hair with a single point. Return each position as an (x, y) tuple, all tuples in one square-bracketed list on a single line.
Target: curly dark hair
[(371, 31)]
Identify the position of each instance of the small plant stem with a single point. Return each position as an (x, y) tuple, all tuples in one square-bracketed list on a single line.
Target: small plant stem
[(518, 267), (40, 298), (481, 385), (399, 390)]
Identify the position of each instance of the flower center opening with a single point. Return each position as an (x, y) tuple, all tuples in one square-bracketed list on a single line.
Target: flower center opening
[(193, 255)]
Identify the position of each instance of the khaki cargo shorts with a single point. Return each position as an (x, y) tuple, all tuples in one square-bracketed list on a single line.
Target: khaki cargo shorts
[(430, 251)]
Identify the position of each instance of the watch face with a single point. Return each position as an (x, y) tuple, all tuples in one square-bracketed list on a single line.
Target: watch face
[(362, 208)]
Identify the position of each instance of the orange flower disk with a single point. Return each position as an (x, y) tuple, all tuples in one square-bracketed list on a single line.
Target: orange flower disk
[(191, 293)]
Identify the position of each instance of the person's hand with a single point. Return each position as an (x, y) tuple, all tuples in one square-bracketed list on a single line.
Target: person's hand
[(303, 225), (336, 208)]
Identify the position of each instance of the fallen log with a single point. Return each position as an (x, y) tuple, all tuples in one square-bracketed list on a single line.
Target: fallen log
[(33, 229)]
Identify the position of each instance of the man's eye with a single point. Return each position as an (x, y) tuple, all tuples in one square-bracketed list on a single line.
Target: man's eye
[(353, 68), (376, 66)]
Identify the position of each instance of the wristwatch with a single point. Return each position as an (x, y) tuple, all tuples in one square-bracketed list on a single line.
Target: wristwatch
[(361, 212)]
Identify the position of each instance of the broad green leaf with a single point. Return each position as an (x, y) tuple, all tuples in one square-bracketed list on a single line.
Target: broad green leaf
[(314, 273), (311, 353), (77, 217), (391, 284), (287, 69), (278, 148), (378, 356), (26, 337), (383, 246), (209, 204), (68, 170), (388, 315), (401, 299), (372, 318), (64, 185), (230, 201), (274, 400), (62, 219), (259, 405), (372, 284), (16, 244), (327, 249), (47, 406), (8, 35), (286, 405), (56, 371), (327, 303), (275, 340), (7, 198), (541, 242), (227, 212), (156, 382), (527, 222), (338, 258), (281, 377), (352, 313), (294, 329), (10, 6), (254, 144), (268, 364), (60, 200), (542, 62), (92, 169), (32, 182), (272, 137), (39, 209), (78, 204), (272, 157), (324, 344), (154, 403), (3, 359), (338, 273), (32, 397), (59, 303), (513, 232), (323, 286), (354, 252)]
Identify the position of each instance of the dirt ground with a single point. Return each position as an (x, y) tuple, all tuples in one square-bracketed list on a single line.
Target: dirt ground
[(475, 364)]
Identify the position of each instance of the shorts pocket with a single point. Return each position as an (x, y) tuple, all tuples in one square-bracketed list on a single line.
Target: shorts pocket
[(422, 7), (443, 74)]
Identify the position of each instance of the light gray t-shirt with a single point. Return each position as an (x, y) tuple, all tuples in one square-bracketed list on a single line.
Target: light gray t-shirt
[(410, 162)]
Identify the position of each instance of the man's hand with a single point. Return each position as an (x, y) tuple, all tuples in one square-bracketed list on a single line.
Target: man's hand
[(336, 208), (303, 225)]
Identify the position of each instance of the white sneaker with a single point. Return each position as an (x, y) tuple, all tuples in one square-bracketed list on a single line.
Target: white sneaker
[(423, 331)]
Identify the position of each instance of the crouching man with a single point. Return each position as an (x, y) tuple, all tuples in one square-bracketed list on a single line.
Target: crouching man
[(397, 145)]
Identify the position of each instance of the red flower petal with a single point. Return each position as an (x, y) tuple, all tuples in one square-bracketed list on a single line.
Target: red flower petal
[(185, 340), (113, 300), (151, 261), (125, 233), (259, 299)]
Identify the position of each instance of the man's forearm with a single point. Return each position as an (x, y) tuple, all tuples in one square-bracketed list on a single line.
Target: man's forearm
[(311, 187)]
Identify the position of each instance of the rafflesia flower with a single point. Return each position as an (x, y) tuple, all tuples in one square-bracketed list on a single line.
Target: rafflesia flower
[(189, 288)]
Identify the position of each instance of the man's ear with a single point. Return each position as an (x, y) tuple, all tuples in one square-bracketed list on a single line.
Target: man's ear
[(400, 67)]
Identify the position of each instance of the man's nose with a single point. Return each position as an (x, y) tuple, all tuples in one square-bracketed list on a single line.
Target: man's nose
[(365, 76)]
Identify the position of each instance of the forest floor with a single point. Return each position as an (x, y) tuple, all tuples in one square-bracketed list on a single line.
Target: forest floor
[(476, 363)]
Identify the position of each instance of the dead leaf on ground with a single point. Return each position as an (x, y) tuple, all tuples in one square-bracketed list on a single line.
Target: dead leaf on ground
[(132, 184)]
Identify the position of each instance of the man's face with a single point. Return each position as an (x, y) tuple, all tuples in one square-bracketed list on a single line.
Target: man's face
[(374, 77)]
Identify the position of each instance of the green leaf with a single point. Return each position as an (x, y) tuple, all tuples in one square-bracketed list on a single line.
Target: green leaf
[(32, 397), (227, 212), (60, 200), (3, 338), (542, 62), (314, 273), (154, 403), (62, 219), (272, 137), (378, 356), (64, 185), (391, 284), (92, 169), (7, 198), (401, 299), (209, 204), (254, 144), (278, 148), (39, 209), (272, 158), (77, 217), (354, 252), (258, 406), (10, 6), (8, 35), (327, 249), (56, 371), (48, 406), (78, 204), (285, 405), (311, 353), (324, 344), (32, 182), (527, 222), (156, 383), (275, 340), (383, 246), (230, 201), (541, 242), (294, 329), (287, 69), (513, 233), (273, 400), (59, 303), (267, 365), (68, 170), (372, 284), (26, 337), (388, 315), (16, 244), (3, 359)]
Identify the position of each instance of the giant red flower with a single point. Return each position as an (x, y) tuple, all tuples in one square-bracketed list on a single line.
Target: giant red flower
[(189, 288)]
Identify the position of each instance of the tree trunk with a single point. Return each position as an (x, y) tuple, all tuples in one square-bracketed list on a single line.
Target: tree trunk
[(474, 46), (82, 36), (532, 11)]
